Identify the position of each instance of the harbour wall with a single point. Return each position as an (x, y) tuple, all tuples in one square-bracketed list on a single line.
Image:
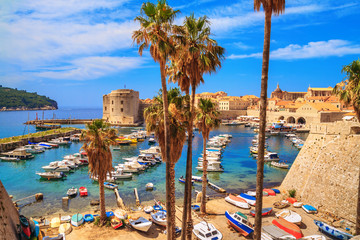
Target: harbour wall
[(5, 147), (76, 121), (325, 174)]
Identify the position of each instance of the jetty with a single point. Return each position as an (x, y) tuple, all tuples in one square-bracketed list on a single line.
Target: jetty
[(216, 188)]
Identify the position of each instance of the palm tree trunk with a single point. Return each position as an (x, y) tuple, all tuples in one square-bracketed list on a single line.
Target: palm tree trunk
[(170, 213), (263, 105), (204, 178), (102, 201)]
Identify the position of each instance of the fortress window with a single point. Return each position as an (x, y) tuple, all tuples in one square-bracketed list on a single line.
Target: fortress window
[(105, 108), (122, 110), (112, 102), (122, 102), (112, 110)]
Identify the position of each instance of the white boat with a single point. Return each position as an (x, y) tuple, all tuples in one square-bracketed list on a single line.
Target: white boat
[(209, 158), (120, 213), (52, 166), (155, 150), (237, 201), (65, 218), (280, 165), (60, 236), (271, 156), (152, 140), (159, 218), (33, 149), (289, 216), (10, 159), (297, 204), (77, 219), (140, 224), (148, 209), (149, 186), (251, 193), (314, 237), (119, 174), (72, 192), (110, 185), (212, 167), (206, 231), (51, 175)]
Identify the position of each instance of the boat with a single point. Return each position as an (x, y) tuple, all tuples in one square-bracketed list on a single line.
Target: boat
[(212, 167), (119, 174), (315, 237), (148, 209), (271, 232), (182, 180), (72, 192), (309, 209), (66, 218), (25, 227), (55, 222), (269, 191), (140, 224), (276, 190), (47, 126), (251, 193), (88, 218), (195, 207), (249, 199), (152, 141), (51, 175), (280, 165), (289, 216), (196, 178), (297, 204), (110, 185), (240, 223), (159, 218), (281, 204), (149, 186), (65, 228), (291, 200), (264, 212), (60, 236), (116, 222), (271, 156), (237, 201), (323, 227), (10, 159), (83, 191), (77, 219), (206, 231), (288, 227), (120, 213)]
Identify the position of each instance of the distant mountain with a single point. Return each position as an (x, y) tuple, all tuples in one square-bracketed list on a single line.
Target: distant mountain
[(13, 99)]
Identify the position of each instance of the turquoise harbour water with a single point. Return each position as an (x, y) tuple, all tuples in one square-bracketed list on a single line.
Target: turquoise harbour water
[(20, 179)]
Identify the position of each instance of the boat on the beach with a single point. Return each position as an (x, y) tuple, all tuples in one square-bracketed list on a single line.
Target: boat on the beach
[(309, 209), (277, 191), (291, 200), (195, 207), (315, 237), (288, 227), (289, 216), (120, 213), (206, 231), (116, 222), (25, 227), (148, 209), (60, 236), (281, 204), (72, 192), (159, 218), (88, 217), (51, 175), (323, 227), (77, 219), (264, 212), (249, 199), (237, 201), (251, 193), (269, 191), (83, 191), (297, 204), (140, 224), (240, 223), (65, 228), (110, 185), (271, 232), (65, 218)]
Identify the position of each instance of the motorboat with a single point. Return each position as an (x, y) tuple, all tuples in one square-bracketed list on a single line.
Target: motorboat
[(83, 191), (48, 144), (155, 149), (237, 201), (240, 223), (271, 156), (119, 174), (140, 224), (72, 192), (33, 149), (197, 178), (159, 218), (110, 185), (10, 159), (206, 231), (51, 175), (212, 167), (152, 141), (280, 165)]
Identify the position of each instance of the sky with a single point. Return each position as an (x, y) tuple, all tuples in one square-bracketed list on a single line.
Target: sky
[(75, 51)]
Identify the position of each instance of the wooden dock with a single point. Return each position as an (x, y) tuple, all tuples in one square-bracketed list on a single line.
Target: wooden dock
[(216, 188)]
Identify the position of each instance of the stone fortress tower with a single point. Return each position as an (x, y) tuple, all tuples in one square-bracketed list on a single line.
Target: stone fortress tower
[(121, 107)]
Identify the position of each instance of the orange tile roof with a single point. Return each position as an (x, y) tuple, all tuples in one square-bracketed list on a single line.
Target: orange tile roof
[(322, 89), (318, 98), (284, 103), (324, 107), (333, 99), (247, 97), (350, 114)]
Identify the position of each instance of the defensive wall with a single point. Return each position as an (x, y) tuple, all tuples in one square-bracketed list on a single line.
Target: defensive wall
[(9, 216), (325, 173)]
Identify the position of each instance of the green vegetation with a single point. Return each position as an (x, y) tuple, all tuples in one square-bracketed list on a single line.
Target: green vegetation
[(13, 98), (37, 134), (292, 193)]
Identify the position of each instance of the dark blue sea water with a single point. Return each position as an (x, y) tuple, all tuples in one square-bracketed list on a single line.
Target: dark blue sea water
[(20, 179)]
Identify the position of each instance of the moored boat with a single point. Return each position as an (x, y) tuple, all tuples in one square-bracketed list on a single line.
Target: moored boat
[(280, 165), (149, 186), (237, 201), (83, 191), (77, 219), (72, 192), (240, 223), (10, 159), (323, 227), (51, 175), (288, 227), (206, 231), (182, 180), (140, 224)]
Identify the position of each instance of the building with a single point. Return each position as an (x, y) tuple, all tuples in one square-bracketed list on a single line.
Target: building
[(287, 96), (232, 103), (121, 107)]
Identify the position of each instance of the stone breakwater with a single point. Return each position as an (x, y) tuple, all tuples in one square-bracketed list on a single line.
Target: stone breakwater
[(5, 147), (325, 174)]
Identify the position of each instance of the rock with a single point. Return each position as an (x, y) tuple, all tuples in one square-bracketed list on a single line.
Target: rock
[(94, 202)]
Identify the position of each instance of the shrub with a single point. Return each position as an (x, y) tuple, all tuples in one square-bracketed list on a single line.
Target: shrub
[(292, 192)]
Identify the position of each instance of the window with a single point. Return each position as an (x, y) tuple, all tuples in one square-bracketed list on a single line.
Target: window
[(105, 108), (122, 102), (112, 110), (112, 102), (122, 110)]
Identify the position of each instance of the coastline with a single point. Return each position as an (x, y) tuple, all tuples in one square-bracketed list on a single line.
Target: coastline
[(4, 109)]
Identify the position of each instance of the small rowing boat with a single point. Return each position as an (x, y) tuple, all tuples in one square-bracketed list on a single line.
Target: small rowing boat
[(72, 192), (269, 191), (182, 180), (140, 224), (237, 201), (323, 227), (77, 219), (110, 185), (116, 222), (289, 216), (88, 218), (83, 191), (288, 227), (264, 212), (159, 218), (309, 209), (249, 199)]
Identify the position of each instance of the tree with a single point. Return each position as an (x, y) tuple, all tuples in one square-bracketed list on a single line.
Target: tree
[(155, 122), (155, 25), (270, 7), (206, 119), (348, 91), (98, 137), (196, 53)]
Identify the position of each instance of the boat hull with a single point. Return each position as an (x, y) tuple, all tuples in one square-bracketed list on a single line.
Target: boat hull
[(238, 226), (323, 227), (288, 227)]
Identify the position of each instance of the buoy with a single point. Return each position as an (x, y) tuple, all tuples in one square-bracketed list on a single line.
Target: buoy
[(39, 196)]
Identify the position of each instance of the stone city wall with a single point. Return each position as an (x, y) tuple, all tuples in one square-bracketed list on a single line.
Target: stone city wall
[(225, 114), (325, 174)]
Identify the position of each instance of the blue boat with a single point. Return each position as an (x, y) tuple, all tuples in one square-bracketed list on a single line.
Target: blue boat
[(109, 214), (88, 218), (249, 199), (110, 185), (323, 227), (182, 180), (276, 190), (195, 207), (157, 207), (240, 223), (309, 209)]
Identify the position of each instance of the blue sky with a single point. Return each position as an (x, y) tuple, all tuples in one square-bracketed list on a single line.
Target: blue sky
[(75, 51)]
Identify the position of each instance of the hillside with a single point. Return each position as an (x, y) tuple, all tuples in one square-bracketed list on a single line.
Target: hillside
[(13, 99)]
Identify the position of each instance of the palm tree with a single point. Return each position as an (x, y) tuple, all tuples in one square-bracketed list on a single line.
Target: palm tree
[(155, 122), (98, 137), (348, 91), (270, 7), (196, 53), (206, 119), (155, 25)]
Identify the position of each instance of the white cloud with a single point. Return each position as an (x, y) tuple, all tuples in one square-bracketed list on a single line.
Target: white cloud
[(91, 68), (319, 49)]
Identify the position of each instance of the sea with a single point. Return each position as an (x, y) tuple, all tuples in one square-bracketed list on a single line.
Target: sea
[(21, 181)]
